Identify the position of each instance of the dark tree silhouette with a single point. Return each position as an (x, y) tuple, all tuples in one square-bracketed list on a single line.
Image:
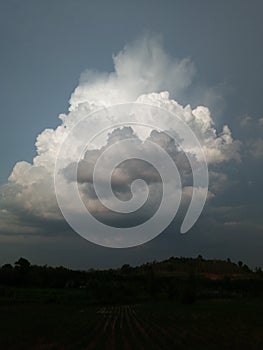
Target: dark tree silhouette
[(7, 267), (23, 264)]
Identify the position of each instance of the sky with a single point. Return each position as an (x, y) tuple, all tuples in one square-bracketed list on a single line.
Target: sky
[(61, 60)]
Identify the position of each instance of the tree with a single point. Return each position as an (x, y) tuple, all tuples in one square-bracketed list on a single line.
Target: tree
[(126, 268), (22, 264), (7, 267)]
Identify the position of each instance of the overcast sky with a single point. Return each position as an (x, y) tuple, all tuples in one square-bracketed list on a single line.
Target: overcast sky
[(216, 46)]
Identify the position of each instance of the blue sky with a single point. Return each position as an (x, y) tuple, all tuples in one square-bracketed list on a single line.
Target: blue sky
[(46, 45)]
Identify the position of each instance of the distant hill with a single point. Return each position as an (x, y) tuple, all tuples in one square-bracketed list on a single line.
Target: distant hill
[(177, 278)]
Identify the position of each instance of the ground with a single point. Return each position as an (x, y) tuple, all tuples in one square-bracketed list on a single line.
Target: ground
[(209, 324)]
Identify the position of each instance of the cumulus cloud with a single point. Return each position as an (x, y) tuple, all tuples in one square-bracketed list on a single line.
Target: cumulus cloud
[(251, 135), (143, 73), (140, 68), (218, 146), (245, 121), (256, 148), (130, 170)]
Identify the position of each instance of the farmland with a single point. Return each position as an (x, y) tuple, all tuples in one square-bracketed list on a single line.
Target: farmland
[(179, 303), (214, 324)]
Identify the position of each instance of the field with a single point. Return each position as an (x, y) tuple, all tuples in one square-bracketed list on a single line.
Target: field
[(210, 324)]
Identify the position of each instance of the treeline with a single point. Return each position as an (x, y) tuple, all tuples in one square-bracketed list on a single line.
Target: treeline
[(184, 279)]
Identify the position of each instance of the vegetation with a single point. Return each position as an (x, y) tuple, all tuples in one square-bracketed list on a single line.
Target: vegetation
[(185, 279), (179, 303), (182, 279)]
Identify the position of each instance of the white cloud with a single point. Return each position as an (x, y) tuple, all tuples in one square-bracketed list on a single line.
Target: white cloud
[(245, 121), (256, 148), (140, 68), (143, 72), (218, 147)]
